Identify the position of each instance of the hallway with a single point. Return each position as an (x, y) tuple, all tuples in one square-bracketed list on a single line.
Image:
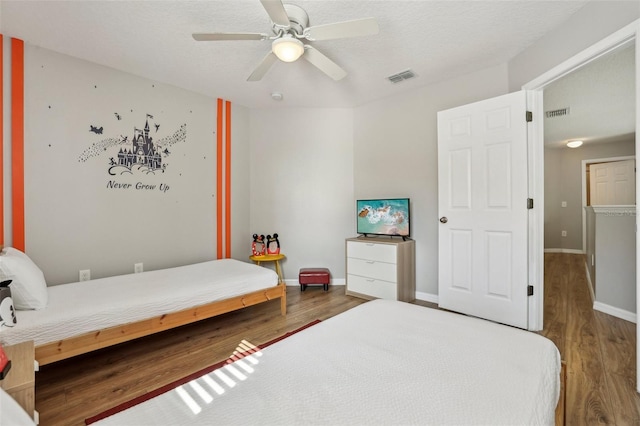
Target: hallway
[(600, 350)]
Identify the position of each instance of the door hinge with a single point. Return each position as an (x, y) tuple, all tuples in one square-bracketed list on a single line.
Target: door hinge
[(529, 203), (530, 290), (529, 116)]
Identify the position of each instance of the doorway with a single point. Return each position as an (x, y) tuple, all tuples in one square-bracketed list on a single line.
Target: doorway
[(596, 105), (620, 39)]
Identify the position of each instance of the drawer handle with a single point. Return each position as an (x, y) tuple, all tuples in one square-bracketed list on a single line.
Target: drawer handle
[(370, 280), (370, 244), (370, 262)]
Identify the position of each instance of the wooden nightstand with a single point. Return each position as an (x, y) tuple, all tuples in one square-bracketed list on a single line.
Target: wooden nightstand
[(20, 382)]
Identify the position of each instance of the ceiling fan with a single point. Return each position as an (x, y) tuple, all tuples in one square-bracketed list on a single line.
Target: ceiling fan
[(289, 27)]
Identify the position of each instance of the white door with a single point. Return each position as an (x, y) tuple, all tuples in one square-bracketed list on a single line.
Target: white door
[(482, 198), (613, 183)]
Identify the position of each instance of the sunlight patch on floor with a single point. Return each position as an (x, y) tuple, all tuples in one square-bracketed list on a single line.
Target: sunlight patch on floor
[(244, 357)]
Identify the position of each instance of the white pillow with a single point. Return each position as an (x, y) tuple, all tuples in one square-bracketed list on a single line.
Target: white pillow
[(11, 413), (28, 289)]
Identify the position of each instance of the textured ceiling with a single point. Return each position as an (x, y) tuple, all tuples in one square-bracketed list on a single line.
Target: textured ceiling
[(601, 101), (436, 39)]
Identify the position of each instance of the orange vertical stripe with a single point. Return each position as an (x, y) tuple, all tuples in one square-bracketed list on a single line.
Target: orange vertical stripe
[(1, 140), (227, 181), (219, 218), (17, 141)]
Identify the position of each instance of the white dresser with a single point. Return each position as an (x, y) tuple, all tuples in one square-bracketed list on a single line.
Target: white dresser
[(381, 268)]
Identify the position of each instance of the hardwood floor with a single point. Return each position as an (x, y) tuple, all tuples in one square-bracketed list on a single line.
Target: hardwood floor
[(599, 350), (69, 391)]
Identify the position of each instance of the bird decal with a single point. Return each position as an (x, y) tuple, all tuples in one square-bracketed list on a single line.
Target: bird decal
[(95, 129)]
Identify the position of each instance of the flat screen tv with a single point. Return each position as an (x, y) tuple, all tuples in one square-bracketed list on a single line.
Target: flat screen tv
[(383, 216)]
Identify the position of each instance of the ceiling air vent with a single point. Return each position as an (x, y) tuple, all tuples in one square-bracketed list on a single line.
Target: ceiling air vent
[(401, 76), (557, 112)]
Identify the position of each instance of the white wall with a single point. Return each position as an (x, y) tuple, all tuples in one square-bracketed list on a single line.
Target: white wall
[(6, 166), (74, 218), (302, 185), (590, 24), (563, 182), (296, 172), (395, 155), (240, 181), (615, 254)]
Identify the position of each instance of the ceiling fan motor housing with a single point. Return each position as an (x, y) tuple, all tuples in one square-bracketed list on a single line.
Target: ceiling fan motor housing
[(298, 19)]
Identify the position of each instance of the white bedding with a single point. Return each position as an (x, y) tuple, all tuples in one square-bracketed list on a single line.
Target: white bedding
[(77, 308), (383, 362)]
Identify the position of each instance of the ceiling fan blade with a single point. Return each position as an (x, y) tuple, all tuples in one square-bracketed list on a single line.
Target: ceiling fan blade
[(356, 28), (323, 63), (229, 36), (264, 66), (276, 12)]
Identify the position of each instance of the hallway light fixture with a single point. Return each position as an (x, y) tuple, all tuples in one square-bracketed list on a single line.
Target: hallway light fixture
[(574, 144)]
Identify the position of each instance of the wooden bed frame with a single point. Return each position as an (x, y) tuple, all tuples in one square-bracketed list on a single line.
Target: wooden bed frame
[(561, 409), (83, 343)]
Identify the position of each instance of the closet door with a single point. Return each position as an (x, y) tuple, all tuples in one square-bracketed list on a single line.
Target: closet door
[(613, 183)]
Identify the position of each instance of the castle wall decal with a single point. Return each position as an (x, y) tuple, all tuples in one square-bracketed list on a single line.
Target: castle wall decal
[(141, 154)]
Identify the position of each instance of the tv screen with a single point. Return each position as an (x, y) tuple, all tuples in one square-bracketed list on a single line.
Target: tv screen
[(388, 216)]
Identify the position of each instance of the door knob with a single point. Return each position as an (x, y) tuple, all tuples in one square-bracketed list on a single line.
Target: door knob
[(444, 219)]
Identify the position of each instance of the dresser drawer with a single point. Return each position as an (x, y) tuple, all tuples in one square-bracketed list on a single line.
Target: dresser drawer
[(375, 288), (372, 269), (372, 251)]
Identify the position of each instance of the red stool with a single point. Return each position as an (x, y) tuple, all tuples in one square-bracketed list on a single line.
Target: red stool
[(313, 276)]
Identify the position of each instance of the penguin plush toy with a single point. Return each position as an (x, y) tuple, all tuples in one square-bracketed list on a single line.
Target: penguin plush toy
[(7, 311)]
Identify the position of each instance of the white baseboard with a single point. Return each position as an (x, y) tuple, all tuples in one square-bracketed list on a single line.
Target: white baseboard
[(562, 250), (616, 312), (427, 297)]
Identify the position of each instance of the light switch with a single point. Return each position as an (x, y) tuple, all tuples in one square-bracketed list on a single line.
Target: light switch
[(564, 204)]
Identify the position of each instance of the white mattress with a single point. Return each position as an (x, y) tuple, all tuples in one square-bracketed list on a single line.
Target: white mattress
[(383, 362), (77, 308)]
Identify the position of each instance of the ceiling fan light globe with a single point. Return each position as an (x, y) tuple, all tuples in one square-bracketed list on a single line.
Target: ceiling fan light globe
[(287, 49)]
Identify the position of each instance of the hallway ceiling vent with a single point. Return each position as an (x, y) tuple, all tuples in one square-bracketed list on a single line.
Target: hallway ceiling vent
[(557, 112), (401, 76)]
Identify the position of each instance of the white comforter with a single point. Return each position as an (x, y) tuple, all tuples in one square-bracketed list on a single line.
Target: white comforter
[(383, 362), (77, 308)]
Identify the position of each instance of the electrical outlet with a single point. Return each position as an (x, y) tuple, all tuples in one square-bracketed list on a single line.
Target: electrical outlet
[(137, 268), (564, 204), (564, 233), (85, 274)]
